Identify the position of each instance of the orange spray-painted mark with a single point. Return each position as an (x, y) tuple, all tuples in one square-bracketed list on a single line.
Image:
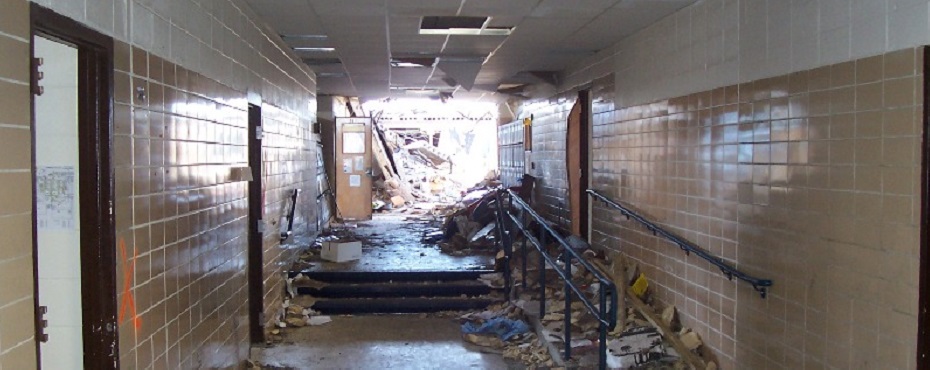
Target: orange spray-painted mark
[(128, 301)]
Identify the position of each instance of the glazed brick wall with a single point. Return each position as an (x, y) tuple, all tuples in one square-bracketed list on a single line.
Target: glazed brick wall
[(17, 332), (179, 212), (810, 179)]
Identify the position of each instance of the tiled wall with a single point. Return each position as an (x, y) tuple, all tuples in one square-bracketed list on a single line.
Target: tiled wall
[(716, 43), (190, 217), (783, 136), (809, 179), (511, 152), (290, 156), (178, 210), (17, 333), (547, 160)]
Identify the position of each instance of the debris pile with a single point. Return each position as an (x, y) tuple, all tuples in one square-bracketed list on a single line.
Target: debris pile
[(647, 335), (412, 170), (502, 329), (294, 315)]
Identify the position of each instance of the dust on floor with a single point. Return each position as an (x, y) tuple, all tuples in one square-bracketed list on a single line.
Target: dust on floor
[(378, 342)]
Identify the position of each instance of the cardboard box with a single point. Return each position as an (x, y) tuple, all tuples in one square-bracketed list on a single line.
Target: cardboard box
[(341, 251)]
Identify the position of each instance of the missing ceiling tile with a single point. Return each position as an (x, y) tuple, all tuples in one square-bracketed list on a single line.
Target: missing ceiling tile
[(414, 62), (450, 22), (460, 25)]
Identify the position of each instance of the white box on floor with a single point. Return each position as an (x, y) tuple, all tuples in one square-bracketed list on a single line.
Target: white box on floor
[(338, 251)]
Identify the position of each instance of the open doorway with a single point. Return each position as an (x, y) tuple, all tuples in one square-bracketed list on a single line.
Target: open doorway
[(74, 253), (576, 162)]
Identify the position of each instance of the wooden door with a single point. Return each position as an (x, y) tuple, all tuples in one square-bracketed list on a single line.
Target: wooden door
[(576, 164), (353, 168)]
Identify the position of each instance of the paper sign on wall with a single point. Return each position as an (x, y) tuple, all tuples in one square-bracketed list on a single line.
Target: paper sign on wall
[(359, 163), (347, 165), (55, 198), (355, 181)]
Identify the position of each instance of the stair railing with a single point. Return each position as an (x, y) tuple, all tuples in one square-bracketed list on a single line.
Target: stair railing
[(515, 215), (760, 285)]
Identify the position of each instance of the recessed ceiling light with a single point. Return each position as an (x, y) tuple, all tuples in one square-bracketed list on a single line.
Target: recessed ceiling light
[(305, 37), (325, 50), (468, 32)]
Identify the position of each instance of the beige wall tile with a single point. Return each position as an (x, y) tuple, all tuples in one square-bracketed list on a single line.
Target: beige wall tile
[(13, 110), (14, 68), (838, 178)]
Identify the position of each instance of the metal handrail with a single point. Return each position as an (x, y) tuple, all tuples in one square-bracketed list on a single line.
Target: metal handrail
[(760, 285), (605, 311)]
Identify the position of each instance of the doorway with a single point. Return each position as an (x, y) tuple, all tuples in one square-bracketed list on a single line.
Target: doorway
[(256, 232), (353, 168), (576, 163), (74, 253)]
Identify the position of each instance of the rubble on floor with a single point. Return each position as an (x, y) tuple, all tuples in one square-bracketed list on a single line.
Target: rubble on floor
[(411, 172), (502, 328), (638, 342)]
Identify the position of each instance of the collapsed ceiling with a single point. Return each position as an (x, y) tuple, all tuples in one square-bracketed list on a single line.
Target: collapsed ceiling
[(463, 48)]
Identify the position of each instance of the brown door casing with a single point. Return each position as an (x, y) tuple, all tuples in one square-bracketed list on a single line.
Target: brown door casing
[(95, 177), (256, 284)]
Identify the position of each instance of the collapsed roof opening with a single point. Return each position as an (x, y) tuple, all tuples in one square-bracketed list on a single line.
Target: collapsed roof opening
[(460, 25)]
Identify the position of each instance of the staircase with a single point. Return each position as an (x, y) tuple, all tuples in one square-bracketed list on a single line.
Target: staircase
[(353, 292)]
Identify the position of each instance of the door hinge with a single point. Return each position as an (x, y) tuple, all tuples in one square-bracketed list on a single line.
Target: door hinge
[(259, 133), (43, 324), (261, 227), (37, 76)]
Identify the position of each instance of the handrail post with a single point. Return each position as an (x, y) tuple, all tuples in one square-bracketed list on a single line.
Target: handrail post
[(502, 232), (567, 319), (542, 275), (523, 247), (602, 330)]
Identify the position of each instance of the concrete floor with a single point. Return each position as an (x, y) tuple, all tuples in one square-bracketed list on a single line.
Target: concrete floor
[(394, 242), (378, 342)]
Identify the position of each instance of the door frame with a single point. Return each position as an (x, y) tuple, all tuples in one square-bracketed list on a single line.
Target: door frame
[(923, 306), (95, 176), (256, 236), (584, 97)]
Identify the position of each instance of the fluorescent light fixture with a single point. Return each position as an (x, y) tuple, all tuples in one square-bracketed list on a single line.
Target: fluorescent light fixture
[(325, 50), (462, 59), (332, 74), (468, 32), (305, 37)]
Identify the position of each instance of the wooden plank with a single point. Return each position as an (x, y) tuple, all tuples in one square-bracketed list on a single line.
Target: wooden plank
[(690, 358), (621, 288)]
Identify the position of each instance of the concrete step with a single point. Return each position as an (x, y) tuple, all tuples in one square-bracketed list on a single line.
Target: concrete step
[(398, 305), (390, 276), (395, 290)]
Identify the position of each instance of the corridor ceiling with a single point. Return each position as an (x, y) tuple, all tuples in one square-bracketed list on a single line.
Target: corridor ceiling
[(377, 49)]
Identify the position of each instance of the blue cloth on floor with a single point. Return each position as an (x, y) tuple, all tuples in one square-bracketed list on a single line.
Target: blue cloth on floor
[(503, 327)]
